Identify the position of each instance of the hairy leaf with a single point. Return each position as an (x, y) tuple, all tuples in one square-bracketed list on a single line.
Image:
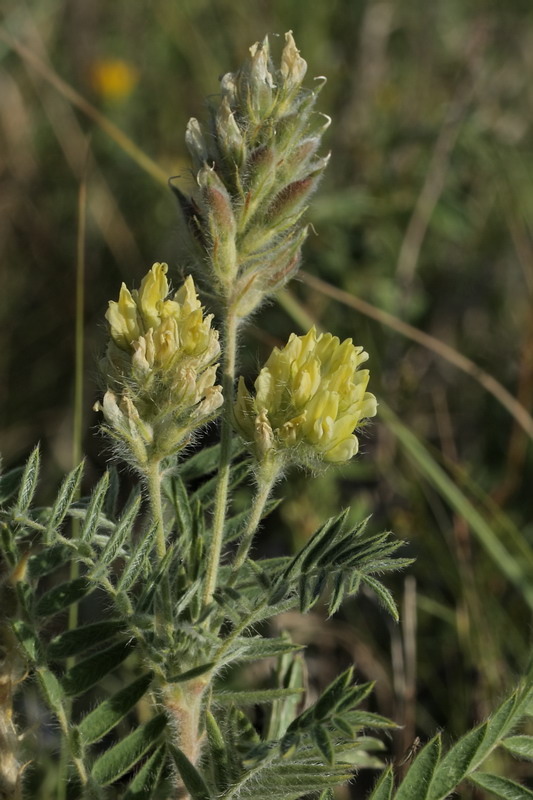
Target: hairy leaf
[(145, 782), (206, 461), (333, 695), (122, 531), (109, 713), (206, 495), (51, 688), (286, 778), (418, 779), (218, 753), (28, 483), (498, 724), (66, 495), (192, 673), (111, 497), (383, 595), (454, 766), (62, 596), (501, 787), (80, 639), (324, 744), (123, 756), (48, 560), (88, 672), (384, 786), (255, 647), (135, 560), (254, 697), (520, 746), (94, 509), (176, 491), (29, 641), (194, 782)]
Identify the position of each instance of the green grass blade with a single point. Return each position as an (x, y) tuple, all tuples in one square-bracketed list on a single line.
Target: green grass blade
[(510, 566)]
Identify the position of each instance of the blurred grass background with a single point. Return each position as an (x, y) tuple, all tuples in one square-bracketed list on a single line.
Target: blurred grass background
[(426, 213)]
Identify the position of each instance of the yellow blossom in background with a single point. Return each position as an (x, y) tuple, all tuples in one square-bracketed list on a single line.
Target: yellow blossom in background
[(159, 365), (113, 78), (309, 398)]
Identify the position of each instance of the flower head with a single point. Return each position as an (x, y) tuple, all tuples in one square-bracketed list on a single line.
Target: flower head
[(309, 398), (160, 363)]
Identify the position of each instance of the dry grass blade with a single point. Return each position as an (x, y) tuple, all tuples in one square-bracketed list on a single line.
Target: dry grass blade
[(112, 130)]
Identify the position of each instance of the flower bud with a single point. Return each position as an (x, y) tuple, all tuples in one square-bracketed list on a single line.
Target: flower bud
[(255, 82), (291, 200), (229, 89), (309, 398), (230, 138), (255, 186), (222, 225), (196, 144), (293, 66), (292, 72)]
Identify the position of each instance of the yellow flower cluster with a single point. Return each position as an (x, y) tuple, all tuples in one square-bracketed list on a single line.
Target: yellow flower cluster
[(160, 358), (309, 398)]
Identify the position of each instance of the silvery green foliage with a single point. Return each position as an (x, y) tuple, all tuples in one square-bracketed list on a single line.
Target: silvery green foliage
[(305, 750), (300, 749)]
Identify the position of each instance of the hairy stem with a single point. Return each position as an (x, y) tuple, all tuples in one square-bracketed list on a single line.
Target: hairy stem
[(221, 498), (153, 484), (62, 718), (184, 703), (266, 479)]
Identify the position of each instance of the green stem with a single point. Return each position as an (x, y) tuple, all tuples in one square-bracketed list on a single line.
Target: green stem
[(267, 477), (221, 497), (153, 484)]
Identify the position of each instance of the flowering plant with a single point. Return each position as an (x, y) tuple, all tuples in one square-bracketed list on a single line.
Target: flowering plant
[(171, 601)]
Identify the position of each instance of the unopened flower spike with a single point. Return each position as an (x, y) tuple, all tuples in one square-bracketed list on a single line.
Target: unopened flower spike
[(310, 397), (255, 168), (160, 368)]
